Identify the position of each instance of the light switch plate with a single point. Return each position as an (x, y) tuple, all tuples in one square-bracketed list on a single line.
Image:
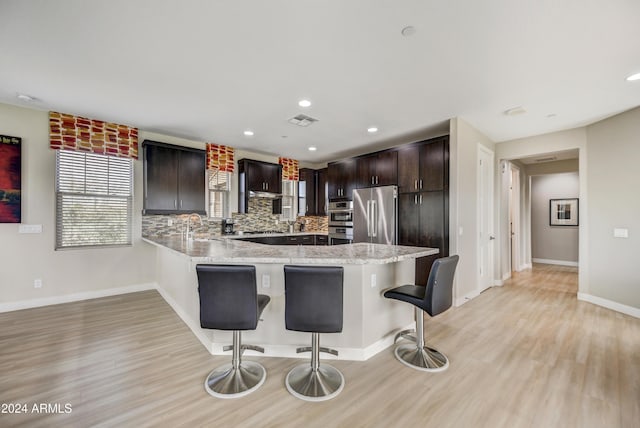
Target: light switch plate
[(266, 280), (620, 233), (30, 228)]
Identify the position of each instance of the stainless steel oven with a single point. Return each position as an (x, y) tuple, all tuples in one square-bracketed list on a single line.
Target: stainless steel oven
[(341, 213), (340, 235)]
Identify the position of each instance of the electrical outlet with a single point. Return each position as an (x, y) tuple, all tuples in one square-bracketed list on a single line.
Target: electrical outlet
[(266, 280), (373, 280), (170, 222), (37, 283)]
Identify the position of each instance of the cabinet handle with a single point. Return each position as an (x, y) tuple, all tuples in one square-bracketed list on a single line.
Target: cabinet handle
[(377, 179), (267, 183), (421, 183), (175, 203), (372, 179), (420, 199), (415, 199), (415, 185)]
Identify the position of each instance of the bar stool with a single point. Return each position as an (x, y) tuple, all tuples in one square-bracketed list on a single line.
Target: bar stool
[(433, 299), (313, 303), (229, 301)]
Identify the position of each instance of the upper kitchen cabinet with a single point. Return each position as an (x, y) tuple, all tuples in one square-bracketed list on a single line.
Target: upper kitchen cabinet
[(342, 179), (174, 179), (424, 166), (322, 200), (259, 178), (379, 169)]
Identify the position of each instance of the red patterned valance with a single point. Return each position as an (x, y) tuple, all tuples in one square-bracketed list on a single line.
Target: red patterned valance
[(70, 132), (220, 157), (290, 169)]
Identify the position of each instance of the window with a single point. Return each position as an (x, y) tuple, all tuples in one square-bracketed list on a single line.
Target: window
[(289, 199), (219, 189), (94, 200)]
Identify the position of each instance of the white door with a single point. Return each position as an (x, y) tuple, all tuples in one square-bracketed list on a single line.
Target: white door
[(486, 238)]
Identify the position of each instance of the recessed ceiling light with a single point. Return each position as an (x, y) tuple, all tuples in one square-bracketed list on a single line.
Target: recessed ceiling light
[(408, 31), (372, 130), (248, 133), (313, 149), (25, 98), (304, 103), (634, 77)]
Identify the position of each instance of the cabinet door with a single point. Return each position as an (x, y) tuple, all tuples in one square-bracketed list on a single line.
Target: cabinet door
[(408, 219), (272, 176), (161, 179), (432, 165), (408, 168), (191, 181), (322, 201), (432, 220), (366, 171), (254, 176), (333, 184), (342, 179), (387, 168), (348, 178)]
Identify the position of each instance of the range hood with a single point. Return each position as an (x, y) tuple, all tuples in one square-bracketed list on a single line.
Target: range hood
[(268, 195)]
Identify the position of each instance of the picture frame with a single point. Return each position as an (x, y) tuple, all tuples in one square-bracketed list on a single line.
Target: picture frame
[(563, 212), (10, 179)]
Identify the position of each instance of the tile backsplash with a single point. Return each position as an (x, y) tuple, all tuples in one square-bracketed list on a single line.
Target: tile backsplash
[(259, 218)]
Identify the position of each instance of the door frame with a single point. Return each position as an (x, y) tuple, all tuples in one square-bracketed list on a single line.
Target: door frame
[(515, 219)]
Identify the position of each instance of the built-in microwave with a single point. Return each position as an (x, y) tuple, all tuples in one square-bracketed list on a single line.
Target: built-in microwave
[(340, 235), (341, 213)]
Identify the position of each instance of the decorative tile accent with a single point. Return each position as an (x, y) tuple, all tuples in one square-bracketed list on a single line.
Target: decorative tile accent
[(220, 157), (77, 133), (315, 223), (290, 169), (260, 217)]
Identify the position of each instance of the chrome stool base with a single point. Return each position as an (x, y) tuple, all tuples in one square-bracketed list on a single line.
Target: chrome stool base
[(229, 382), (314, 385), (421, 358)]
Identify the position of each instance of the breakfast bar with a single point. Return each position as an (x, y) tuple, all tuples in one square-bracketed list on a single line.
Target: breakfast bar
[(370, 320)]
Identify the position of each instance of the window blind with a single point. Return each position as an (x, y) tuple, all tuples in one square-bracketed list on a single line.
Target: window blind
[(94, 200), (219, 188)]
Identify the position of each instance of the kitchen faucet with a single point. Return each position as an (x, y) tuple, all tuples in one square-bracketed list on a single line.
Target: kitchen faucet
[(187, 233)]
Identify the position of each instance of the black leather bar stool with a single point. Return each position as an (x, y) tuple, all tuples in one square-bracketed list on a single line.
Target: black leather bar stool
[(313, 303), (229, 301), (433, 299)]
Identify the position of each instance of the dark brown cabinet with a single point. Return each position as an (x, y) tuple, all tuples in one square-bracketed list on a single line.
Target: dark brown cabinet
[(258, 176), (423, 166), (342, 179), (322, 200), (380, 169), (174, 179)]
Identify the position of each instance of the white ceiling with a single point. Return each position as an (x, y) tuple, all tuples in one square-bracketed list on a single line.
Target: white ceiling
[(207, 70)]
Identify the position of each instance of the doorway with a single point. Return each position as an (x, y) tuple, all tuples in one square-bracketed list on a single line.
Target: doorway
[(514, 218)]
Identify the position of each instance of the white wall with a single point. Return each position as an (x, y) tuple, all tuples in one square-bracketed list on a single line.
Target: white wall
[(553, 243), (614, 178), (25, 257), (463, 204)]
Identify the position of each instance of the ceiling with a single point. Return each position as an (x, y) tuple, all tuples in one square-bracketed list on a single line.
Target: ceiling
[(209, 70)]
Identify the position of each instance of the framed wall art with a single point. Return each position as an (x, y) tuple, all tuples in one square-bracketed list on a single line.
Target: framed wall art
[(563, 212), (10, 179)]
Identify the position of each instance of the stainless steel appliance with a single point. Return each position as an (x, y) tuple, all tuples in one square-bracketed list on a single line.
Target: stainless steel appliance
[(341, 213), (340, 235), (375, 215), (340, 222), (227, 226)]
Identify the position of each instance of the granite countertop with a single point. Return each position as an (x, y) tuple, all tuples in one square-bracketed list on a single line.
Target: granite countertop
[(223, 250)]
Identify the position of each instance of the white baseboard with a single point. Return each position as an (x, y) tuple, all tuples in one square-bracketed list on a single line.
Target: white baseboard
[(555, 262), (498, 282), (75, 297), (506, 276), (464, 299), (526, 266), (615, 306)]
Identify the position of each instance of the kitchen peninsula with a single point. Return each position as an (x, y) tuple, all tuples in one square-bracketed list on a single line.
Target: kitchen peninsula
[(370, 320)]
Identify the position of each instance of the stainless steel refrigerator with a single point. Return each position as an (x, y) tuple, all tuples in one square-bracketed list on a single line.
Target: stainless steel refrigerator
[(375, 215)]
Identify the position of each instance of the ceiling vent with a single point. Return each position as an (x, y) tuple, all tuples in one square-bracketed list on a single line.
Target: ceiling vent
[(302, 120)]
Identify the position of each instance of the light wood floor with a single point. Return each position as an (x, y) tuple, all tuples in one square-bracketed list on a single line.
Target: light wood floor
[(527, 354)]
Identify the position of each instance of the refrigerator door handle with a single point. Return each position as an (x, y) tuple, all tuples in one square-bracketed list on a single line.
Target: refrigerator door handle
[(368, 218), (374, 219)]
